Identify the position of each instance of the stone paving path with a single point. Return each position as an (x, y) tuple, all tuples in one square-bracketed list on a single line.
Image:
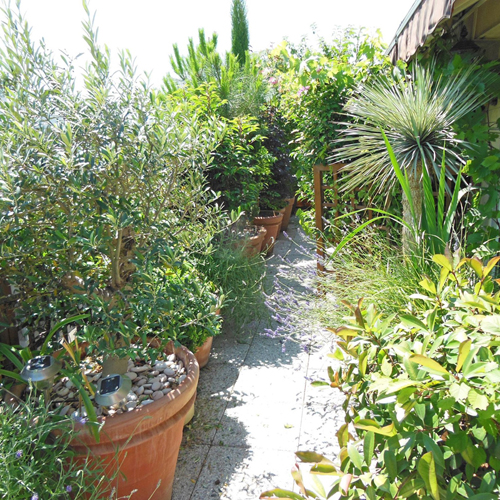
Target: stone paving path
[(255, 407)]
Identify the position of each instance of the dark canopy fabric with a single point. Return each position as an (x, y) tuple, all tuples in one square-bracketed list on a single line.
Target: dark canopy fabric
[(421, 21)]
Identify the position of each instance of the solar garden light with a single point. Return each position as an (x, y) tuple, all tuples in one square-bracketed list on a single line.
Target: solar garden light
[(112, 389), (41, 370)]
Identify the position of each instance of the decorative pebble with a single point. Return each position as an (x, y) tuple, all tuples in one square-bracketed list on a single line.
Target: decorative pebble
[(63, 392), (140, 369), (65, 410), (131, 405), (150, 382)]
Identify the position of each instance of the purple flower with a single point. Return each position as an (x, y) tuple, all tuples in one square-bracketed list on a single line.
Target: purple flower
[(69, 489), (19, 453), (303, 90), (34, 496)]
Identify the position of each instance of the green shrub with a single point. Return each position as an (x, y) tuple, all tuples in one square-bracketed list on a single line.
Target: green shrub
[(241, 165), (313, 86), (422, 398), (94, 183)]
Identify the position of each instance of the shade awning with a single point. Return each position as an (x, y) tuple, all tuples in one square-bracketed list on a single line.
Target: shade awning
[(419, 23), (480, 18)]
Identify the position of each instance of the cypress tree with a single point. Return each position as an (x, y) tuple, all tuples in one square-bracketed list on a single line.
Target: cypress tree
[(240, 39)]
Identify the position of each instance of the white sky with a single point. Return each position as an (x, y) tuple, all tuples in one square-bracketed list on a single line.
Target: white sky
[(148, 28)]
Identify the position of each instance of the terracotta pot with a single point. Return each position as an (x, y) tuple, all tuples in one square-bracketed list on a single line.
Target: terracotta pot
[(202, 354), (271, 220), (287, 213), (252, 240), (303, 203), (144, 444)]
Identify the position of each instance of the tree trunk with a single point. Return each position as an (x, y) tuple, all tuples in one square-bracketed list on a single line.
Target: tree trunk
[(410, 235)]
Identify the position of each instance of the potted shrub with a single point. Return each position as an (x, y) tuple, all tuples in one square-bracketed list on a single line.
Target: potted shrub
[(276, 200), (281, 185), (103, 194)]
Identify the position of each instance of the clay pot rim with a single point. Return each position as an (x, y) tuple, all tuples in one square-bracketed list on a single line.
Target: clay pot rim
[(264, 214)]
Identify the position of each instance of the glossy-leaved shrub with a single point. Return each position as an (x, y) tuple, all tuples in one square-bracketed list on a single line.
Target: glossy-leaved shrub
[(422, 411)]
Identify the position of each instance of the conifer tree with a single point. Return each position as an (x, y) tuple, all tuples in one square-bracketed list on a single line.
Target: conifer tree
[(240, 39)]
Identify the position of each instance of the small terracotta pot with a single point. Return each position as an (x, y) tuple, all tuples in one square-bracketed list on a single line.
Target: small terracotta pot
[(303, 203), (252, 243), (271, 220), (287, 213), (144, 444), (202, 354)]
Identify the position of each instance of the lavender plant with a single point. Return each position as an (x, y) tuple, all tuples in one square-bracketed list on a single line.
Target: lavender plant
[(36, 461)]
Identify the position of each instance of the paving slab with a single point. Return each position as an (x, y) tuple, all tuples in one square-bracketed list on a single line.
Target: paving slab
[(189, 465), (235, 473)]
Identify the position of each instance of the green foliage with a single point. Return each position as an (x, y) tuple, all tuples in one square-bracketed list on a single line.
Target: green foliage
[(417, 113), (313, 88), (95, 185), (241, 167), (422, 396), (280, 183), (241, 87), (370, 265), (479, 135), (36, 460), (240, 38), (436, 227), (239, 277)]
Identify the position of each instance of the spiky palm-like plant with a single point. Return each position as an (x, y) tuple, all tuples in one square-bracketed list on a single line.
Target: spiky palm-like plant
[(417, 114)]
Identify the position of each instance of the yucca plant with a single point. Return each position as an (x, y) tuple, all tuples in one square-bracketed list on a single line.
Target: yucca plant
[(417, 113), (437, 221)]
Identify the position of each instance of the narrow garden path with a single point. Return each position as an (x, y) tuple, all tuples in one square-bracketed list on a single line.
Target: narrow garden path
[(255, 406)]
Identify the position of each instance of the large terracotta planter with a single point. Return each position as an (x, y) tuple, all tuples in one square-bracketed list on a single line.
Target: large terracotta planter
[(287, 213), (144, 443)]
